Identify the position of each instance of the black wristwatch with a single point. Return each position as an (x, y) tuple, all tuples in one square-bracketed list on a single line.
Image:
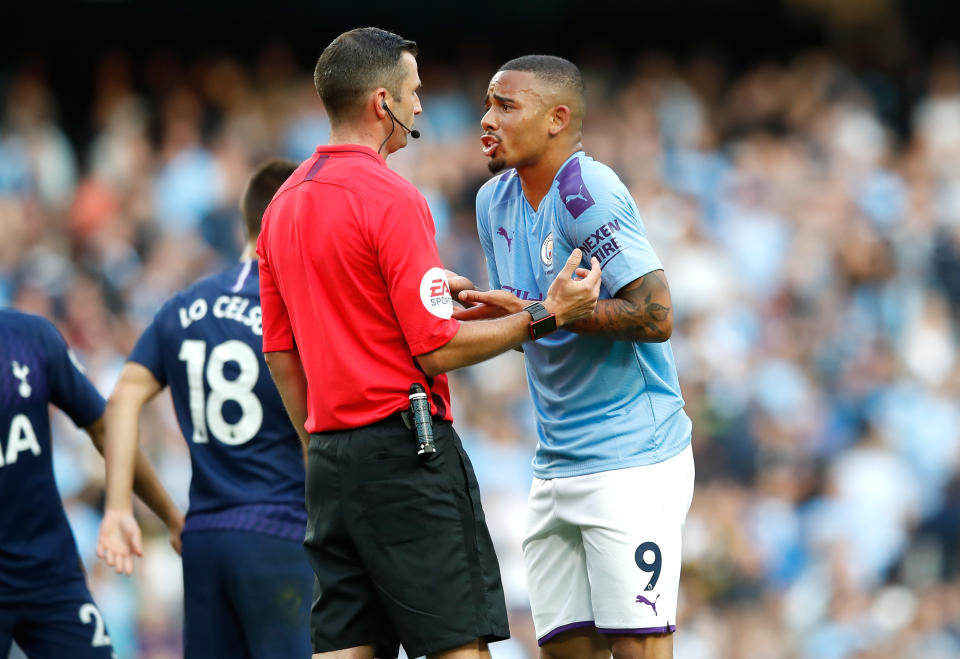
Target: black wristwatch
[(543, 321)]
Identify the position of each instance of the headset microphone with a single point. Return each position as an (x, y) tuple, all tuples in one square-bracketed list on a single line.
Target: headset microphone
[(415, 134)]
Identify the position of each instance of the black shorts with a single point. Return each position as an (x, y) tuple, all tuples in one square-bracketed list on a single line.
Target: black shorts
[(398, 544)]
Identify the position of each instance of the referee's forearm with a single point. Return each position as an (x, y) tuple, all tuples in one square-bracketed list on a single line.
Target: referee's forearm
[(476, 341), (287, 373)]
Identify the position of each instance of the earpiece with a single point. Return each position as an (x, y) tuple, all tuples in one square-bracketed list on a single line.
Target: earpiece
[(413, 133)]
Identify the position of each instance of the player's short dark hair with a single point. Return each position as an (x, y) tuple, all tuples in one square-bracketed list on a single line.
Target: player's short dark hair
[(354, 64), (557, 72), (263, 184)]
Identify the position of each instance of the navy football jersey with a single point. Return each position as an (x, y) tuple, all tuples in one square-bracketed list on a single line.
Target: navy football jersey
[(37, 549), (206, 344)]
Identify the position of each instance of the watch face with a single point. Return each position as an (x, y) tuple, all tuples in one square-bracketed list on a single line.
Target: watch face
[(540, 328)]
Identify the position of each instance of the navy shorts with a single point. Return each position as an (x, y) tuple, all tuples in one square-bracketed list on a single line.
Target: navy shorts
[(56, 623), (245, 594), (399, 544)]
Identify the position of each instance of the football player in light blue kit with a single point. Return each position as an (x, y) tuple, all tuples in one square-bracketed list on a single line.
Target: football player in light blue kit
[(613, 466)]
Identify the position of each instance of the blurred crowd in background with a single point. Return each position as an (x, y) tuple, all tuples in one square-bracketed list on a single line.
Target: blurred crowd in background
[(808, 217)]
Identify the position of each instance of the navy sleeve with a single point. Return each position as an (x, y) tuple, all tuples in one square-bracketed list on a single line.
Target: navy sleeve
[(70, 390), (147, 353)]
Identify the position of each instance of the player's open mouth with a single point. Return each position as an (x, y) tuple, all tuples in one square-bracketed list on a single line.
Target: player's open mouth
[(490, 144)]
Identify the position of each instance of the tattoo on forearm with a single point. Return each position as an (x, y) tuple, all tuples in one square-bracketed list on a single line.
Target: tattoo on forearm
[(657, 311), (633, 315)]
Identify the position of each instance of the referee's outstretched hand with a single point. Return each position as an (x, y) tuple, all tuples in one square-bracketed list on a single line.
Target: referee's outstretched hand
[(574, 292)]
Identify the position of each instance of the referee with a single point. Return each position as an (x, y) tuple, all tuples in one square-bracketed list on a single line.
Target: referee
[(356, 308)]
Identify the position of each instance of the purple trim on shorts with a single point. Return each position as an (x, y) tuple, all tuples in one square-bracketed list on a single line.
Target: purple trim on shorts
[(563, 628), (281, 520), (669, 629)]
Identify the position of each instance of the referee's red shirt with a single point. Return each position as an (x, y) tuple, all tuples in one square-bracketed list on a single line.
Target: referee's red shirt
[(351, 277)]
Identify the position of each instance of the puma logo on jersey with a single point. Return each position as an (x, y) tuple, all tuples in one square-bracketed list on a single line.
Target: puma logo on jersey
[(579, 195), (503, 232), (572, 190), (21, 373), (653, 605)]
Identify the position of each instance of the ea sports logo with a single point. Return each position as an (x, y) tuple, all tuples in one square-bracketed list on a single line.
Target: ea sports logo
[(546, 250), (435, 293)]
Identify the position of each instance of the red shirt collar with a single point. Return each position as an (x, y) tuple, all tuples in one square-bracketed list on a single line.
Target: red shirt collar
[(351, 148)]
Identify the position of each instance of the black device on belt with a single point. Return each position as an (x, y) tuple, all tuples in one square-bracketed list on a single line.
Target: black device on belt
[(417, 417)]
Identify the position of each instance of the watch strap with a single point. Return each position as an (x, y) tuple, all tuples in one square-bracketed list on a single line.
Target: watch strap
[(543, 322)]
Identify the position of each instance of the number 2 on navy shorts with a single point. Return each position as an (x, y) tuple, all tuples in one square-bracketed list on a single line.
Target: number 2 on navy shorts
[(71, 628)]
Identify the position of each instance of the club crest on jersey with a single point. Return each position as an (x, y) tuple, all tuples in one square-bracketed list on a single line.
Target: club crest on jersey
[(21, 372), (435, 293), (546, 250)]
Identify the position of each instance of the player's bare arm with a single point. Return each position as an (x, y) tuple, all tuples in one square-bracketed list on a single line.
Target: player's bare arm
[(640, 311), (568, 298), (286, 369), (128, 470), (146, 485), (481, 305)]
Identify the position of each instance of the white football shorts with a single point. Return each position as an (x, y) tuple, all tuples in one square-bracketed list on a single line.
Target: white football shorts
[(603, 550)]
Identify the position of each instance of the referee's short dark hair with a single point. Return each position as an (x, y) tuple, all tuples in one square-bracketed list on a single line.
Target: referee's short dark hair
[(354, 64), (263, 184)]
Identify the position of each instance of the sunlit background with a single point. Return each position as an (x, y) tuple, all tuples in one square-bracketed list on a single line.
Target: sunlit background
[(797, 167)]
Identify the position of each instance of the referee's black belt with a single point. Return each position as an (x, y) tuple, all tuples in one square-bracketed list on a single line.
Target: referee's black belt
[(395, 420)]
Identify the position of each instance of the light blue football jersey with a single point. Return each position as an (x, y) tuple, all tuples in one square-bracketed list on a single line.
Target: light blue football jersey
[(600, 404)]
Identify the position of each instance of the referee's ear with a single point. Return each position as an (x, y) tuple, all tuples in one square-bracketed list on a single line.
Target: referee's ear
[(380, 103)]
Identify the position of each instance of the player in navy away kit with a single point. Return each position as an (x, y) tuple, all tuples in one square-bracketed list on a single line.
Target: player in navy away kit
[(247, 583), (44, 602)]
